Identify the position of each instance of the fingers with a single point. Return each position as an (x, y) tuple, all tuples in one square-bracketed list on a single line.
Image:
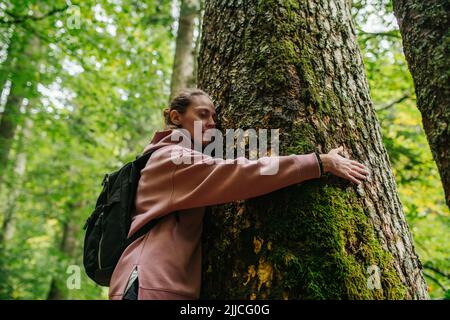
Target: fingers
[(350, 169), (352, 179), (357, 175), (353, 173), (362, 170), (340, 151), (356, 163)]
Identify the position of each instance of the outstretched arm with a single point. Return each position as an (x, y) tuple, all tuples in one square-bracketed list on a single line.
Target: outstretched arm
[(209, 181)]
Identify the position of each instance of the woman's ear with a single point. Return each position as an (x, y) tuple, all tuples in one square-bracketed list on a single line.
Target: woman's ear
[(175, 117)]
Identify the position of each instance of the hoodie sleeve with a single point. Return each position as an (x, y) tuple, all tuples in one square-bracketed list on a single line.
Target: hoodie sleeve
[(200, 180)]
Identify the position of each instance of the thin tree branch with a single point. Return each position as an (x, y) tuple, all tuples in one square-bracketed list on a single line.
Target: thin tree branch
[(388, 34), (435, 281), (438, 271), (405, 96), (17, 19)]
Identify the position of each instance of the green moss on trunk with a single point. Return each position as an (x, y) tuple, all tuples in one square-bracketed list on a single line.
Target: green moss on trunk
[(326, 247)]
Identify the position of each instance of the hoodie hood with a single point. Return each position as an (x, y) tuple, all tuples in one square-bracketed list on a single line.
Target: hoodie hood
[(167, 137)]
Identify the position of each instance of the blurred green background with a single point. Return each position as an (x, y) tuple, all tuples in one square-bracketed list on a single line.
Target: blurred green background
[(91, 82)]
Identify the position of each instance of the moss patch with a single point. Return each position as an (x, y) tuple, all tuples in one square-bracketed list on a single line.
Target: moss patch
[(323, 249)]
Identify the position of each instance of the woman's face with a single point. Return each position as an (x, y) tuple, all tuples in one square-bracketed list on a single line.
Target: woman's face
[(202, 110)]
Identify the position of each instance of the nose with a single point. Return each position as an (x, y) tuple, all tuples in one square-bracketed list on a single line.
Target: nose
[(211, 124)]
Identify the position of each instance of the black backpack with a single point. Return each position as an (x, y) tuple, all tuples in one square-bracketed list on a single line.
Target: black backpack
[(107, 227)]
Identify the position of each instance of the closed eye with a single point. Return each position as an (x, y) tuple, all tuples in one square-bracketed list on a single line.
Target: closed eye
[(203, 113)]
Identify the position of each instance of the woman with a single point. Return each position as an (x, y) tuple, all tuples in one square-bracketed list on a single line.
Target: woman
[(166, 262)]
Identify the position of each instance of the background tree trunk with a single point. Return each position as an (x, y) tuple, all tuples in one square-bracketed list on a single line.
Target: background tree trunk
[(296, 66), (11, 112), (424, 26), (19, 49), (68, 247), (183, 66), (8, 125), (7, 225), (8, 221)]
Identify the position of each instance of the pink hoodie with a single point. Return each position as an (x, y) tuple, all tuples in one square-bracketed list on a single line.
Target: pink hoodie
[(168, 258)]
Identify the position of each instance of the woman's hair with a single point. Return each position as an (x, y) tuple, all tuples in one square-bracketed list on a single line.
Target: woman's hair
[(180, 103)]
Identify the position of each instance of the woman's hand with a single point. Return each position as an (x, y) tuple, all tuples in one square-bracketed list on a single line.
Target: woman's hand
[(342, 167)]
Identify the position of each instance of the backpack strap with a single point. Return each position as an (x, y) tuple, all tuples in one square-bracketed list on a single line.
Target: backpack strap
[(146, 228), (177, 215)]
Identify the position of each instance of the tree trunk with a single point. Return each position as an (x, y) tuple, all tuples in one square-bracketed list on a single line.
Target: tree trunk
[(7, 226), (183, 66), (20, 48), (6, 66), (68, 248), (197, 42), (8, 125), (297, 66), (8, 223), (424, 26)]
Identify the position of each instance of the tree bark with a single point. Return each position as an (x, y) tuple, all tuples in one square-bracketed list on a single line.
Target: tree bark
[(7, 225), (8, 125), (197, 40), (297, 66), (68, 248), (424, 26), (183, 68), (21, 48)]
